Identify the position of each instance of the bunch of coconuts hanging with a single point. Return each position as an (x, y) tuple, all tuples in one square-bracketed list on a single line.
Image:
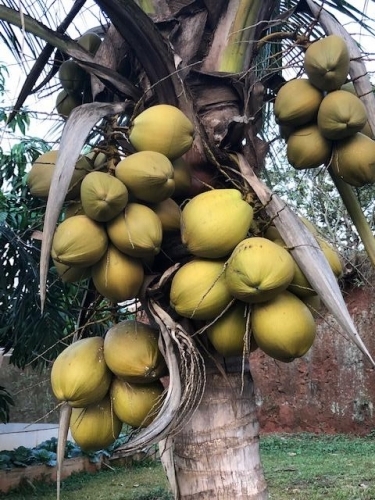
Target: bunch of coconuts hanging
[(322, 119), (109, 382)]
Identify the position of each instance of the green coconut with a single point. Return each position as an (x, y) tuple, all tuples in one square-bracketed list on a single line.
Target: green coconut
[(283, 327), (327, 62), (182, 177), (132, 353), (136, 405), (72, 274), (258, 269), (169, 214), (148, 175), (214, 222), (162, 128), (137, 231), (308, 148), (79, 241), (297, 103), (40, 175), (117, 276), (90, 41), (79, 374), (65, 103), (341, 115), (95, 427), (103, 196), (199, 290), (353, 160), (230, 334), (72, 77)]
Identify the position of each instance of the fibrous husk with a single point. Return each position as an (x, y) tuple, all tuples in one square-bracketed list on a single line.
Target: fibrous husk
[(214, 222), (283, 327), (341, 114), (308, 148), (136, 405), (137, 231), (297, 103), (169, 214), (353, 160), (327, 62), (162, 128), (148, 175), (258, 269), (72, 274), (117, 276), (79, 241), (230, 333), (90, 41), (65, 103), (79, 374), (132, 353), (40, 176), (182, 177), (103, 196), (199, 290), (95, 427), (72, 77)]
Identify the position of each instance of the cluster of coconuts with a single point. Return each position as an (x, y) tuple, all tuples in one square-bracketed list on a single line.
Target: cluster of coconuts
[(74, 80), (110, 382), (323, 120)]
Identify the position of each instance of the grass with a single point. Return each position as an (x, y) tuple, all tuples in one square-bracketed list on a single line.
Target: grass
[(297, 467)]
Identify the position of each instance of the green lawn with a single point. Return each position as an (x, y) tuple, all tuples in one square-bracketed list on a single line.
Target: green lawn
[(297, 467)]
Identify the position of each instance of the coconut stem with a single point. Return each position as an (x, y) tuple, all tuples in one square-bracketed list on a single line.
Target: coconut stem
[(354, 209)]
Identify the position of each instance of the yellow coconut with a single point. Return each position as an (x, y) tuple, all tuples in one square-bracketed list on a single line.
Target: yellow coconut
[(40, 176), (199, 289), (79, 374), (72, 77), (79, 241), (297, 103), (137, 231), (72, 274), (103, 196), (169, 214), (65, 103), (117, 276), (326, 62), (230, 334), (162, 128), (96, 426), (308, 148), (132, 353), (341, 115), (258, 269), (283, 327), (214, 222), (136, 405), (148, 175), (332, 256), (353, 160), (314, 303), (90, 41), (182, 177)]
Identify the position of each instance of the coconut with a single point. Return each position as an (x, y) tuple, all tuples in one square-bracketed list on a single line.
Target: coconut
[(132, 353), (182, 177), (136, 405), (169, 214), (72, 274), (65, 103), (40, 176), (73, 208), (90, 41), (283, 327), (79, 374), (353, 160), (332, 257), (162, 128), (95, 427), (366, 130), (327, 62), (258, 269), (314, 303), (117, 276), (214, 222), (103, 196), (308, 148), (79, 241), (341, 114), (72, 77), (297, 103), (228, 333), (198, 289), (137, 231)]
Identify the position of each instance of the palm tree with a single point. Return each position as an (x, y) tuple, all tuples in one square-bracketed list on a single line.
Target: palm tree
[(221, 62)]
